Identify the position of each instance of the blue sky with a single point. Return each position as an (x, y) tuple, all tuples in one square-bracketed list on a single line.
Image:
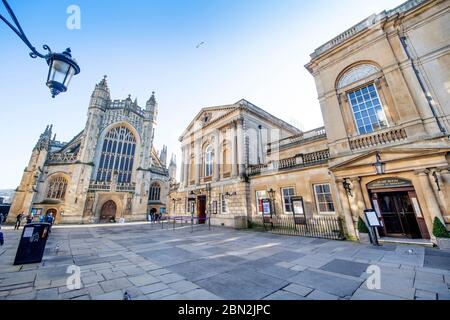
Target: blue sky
[(254, 49)]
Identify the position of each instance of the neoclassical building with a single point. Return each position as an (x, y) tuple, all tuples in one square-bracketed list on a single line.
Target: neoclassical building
[(109, 170), (384, 92)]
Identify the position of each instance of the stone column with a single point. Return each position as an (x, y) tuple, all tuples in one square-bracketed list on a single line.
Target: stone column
[(234, 172), (216, 157), (183, 158), (240, 146), (349, 222), (430, 197), (359, 195), (445, 186), (187, 159), (198, 161)]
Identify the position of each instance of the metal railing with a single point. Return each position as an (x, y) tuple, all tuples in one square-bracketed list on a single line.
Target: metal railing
[(178, 222), (313, 227)]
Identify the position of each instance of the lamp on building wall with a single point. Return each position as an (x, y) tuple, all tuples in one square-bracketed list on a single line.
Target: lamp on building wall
[(229, 195), (379, 165), (271, 194), (347, 187), (62, 67)]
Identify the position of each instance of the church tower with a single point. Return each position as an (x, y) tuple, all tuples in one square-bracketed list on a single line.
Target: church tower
[(29, 185), (173, 168), (100, 99), (163, 156)]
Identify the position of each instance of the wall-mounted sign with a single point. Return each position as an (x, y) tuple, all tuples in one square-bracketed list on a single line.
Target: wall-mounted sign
[(389, 183)]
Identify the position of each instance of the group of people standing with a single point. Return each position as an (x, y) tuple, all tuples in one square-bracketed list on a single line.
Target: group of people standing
[(48, 218)]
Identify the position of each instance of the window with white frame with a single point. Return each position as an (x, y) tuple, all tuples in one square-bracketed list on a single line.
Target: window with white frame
[(223, 204), (367, 109), (260, 195), (287, 193), (324, 199), (209, 162)]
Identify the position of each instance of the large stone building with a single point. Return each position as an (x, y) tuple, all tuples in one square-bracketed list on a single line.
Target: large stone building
[(384, 91), (109, 170)]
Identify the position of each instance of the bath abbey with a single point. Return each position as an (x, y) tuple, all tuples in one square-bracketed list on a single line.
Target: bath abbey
[(107, 172)]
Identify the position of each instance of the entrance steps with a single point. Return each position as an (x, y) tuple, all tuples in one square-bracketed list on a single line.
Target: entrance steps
[(415, 242)]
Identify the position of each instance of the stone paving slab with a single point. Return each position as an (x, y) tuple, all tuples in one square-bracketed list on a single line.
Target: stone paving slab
[(153, 264)]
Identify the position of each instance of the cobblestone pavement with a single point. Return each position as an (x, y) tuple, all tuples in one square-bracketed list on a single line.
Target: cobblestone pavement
[(150, 263)]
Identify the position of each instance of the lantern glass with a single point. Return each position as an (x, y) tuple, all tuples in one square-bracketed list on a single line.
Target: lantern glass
[(380, 167)]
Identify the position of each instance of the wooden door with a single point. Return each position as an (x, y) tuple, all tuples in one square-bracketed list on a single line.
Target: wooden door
[(202, 210), (419, 215), (108, 212)]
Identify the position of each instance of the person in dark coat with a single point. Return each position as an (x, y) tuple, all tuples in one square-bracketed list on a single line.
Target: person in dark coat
[(2, 239), (18, 221)]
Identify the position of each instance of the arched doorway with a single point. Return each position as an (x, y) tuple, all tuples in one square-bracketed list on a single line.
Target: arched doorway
[(396, 201), (108, 213), (53, 213)]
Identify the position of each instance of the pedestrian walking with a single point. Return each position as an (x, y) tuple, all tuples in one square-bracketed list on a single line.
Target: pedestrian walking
[(50, 221), (2, 217), (18, 221)]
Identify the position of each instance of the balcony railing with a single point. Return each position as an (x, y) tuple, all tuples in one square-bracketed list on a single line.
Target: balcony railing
[(300, 161), (302, 138), (159, 170), (108, 186), (378, 139), (62, 157)]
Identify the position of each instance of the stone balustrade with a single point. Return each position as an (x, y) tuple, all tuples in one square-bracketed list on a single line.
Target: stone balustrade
[(298, 139), (378, 139), (62, 157), (108, 186), (299, 161)]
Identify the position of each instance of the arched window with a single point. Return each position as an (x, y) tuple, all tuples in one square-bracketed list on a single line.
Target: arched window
[(209, 162), (117, 155), (57, 188), (365, 103), (155, 192)]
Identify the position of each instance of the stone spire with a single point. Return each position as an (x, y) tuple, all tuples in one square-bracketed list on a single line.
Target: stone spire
[(100, 96), (173, 168), (163, 156), (152, 107), (44, 139)]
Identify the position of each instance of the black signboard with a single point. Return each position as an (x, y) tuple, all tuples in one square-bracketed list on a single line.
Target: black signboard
[(32, 243), (298, 210)]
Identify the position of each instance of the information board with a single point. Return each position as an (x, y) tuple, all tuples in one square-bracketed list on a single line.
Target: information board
[(32, 243)]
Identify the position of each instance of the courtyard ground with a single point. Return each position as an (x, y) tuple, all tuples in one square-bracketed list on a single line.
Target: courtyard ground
[(150, 263)]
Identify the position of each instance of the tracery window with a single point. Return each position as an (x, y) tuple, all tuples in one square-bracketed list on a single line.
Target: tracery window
[(155, 192), (57, 188), (117, 156)]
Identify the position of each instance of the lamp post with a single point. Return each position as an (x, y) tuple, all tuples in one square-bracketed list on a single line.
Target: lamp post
[(379, 165), (62, 67), (271, 193)]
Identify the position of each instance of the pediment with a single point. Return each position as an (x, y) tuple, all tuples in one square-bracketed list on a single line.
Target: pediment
[(207, 116)]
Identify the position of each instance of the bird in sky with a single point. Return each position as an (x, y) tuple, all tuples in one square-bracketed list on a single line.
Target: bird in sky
[(199, 45)]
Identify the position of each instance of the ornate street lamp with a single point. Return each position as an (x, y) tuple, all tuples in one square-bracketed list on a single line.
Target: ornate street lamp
[(62, 67), (380, 166), (271, 193)]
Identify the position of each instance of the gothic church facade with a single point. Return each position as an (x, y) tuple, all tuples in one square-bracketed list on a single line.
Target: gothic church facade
[(108, 171)]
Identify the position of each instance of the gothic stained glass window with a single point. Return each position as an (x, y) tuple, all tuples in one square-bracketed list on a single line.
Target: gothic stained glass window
[(57, 188), (155, 192), (117, 156)]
